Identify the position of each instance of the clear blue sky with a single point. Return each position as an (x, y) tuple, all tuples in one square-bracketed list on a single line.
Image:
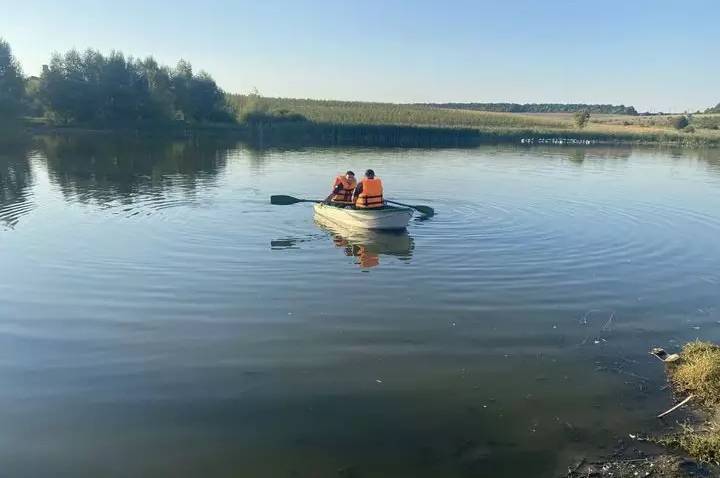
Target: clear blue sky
[(656, 55)]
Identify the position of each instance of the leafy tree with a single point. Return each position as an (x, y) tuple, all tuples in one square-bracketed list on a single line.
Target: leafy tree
[(161, 101), (112, 89), (12, 83), (581, 118), (69, 86), (32, 92), (122, 91), (181, 81), (198, 96)]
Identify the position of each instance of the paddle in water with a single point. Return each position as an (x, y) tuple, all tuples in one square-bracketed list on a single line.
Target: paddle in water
[(282, 200), (424, 210)]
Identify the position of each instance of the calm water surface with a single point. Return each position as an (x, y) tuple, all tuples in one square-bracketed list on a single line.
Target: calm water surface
[(158, 317)]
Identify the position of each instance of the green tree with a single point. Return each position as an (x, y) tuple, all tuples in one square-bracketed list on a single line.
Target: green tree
[(34, 106), (124, 92), (161, 100), (181, 80), (69, 86), (93, 88), (581, 118), (197, 96), (12, 83), (680, 122)]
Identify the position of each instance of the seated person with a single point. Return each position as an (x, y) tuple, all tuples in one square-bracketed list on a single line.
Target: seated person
[(369, 192), (343, 189)]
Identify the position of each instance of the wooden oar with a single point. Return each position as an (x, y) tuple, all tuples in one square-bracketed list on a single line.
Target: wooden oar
[(282, 200), (425, 210)]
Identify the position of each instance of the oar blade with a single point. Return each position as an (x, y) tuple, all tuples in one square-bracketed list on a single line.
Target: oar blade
[(425, 210), (282, 200)]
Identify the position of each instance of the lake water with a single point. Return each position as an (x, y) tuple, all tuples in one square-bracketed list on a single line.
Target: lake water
[(158, 317)]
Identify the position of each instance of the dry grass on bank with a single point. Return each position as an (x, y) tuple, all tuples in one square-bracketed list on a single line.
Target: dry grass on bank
[(697, 373)]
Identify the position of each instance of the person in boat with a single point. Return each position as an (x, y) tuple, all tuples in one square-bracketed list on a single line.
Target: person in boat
[(343, 189), (369, 192)]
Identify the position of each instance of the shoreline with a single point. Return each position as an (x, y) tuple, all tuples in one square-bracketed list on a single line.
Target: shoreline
[(307, 133), (690, 444)]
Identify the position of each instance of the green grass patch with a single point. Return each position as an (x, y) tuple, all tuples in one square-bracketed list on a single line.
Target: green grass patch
[(357, 112), (356, 115)]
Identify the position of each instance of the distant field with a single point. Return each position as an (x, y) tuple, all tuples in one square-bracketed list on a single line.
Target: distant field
[(350, 112), (604, 126)]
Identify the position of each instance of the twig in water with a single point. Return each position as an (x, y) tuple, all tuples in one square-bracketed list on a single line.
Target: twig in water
[(609, 322), (690, 397)]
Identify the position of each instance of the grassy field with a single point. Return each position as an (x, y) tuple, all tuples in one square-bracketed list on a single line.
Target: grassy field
[(267, 121), (651, 129), (352, 112)]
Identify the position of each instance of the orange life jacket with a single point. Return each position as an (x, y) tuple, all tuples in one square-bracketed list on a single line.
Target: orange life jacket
[(344, 194), (371, 195), (366, 258)]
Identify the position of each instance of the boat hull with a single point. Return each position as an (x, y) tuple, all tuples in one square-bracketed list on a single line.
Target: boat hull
[(385, 219)]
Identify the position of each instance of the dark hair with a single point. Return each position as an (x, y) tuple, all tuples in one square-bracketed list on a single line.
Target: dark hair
[(350, 173), (370, 173)]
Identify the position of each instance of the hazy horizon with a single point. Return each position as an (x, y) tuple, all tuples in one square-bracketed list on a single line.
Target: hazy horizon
[(656, 56)]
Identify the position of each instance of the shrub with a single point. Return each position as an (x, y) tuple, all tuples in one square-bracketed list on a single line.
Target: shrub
[(581, 118), (680, 122)]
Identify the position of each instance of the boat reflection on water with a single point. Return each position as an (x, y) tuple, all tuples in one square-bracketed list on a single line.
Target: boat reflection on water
[(367, 245)]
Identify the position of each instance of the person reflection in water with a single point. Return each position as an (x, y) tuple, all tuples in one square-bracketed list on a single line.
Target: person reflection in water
[(366, 259)]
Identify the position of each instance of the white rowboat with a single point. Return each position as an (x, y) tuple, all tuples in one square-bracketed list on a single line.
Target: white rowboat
[(385, 218)]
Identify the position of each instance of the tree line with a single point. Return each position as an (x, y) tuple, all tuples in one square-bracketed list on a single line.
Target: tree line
[(92, 88), (538, 108)]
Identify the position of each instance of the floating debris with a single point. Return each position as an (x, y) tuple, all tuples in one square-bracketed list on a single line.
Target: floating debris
[(663, 355)]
